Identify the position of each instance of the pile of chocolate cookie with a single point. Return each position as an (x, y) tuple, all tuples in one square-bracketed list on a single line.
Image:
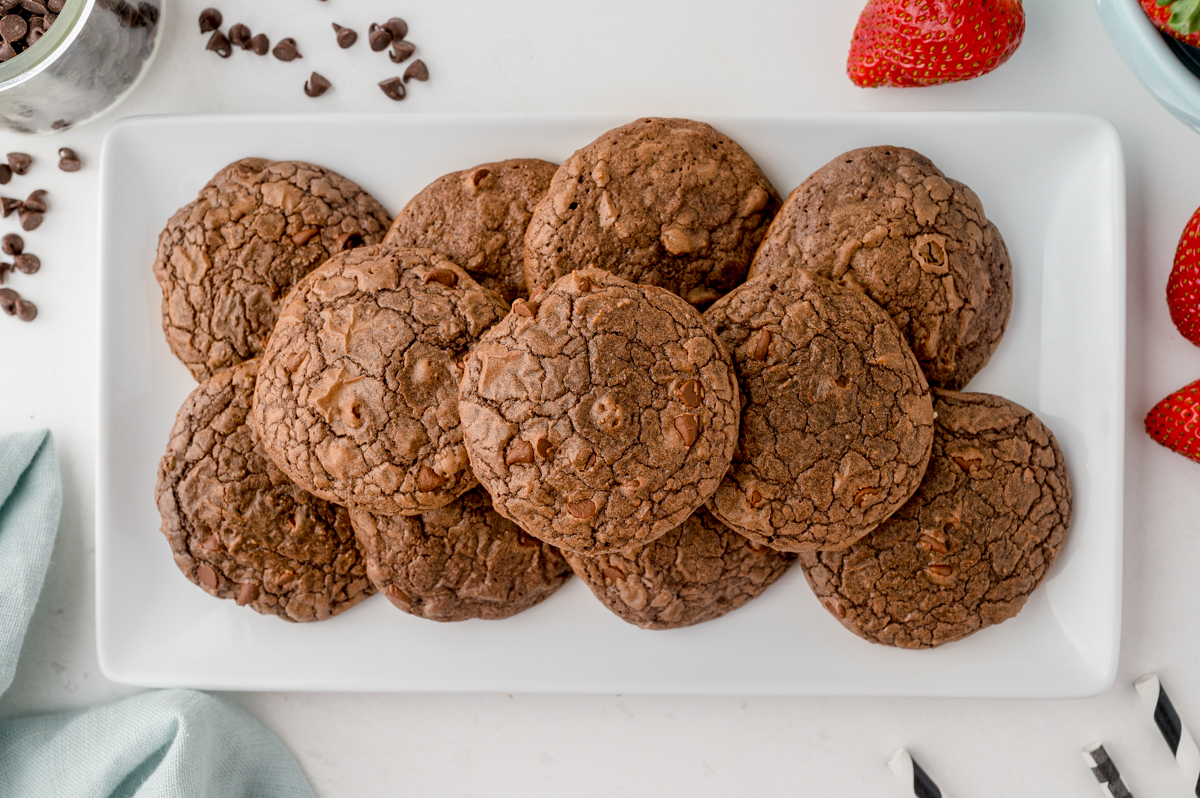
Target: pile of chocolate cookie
[(640, 366)]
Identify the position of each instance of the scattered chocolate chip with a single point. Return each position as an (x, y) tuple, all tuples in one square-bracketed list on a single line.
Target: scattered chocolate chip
[(444, 276), (416, 71), (8, 300), (5, 173), (5, 268), (36, 201), (27, 264), (219, 44), (316, 85), (239, 36), (260, 44), (13, 27), (12, 244), (397, 27), (393, 88), (210, 19), (286, 50), (8, 205), (30, 220), (345, 36), (521, 452), (26, 310), (19, 162), (691, 393), (304, 236), (68, 161), (401, 51), (378, 37), (347, 241)]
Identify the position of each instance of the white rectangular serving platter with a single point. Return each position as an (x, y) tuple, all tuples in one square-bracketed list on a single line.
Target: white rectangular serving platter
[(1053, 183)]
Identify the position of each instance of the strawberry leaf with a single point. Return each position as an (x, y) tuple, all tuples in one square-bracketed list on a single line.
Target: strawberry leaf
[(1185, 16)]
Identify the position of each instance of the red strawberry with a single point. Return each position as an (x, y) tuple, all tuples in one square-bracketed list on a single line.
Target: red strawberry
[(1183, 286), (1175, 421), (1180, 18), (924, 42)]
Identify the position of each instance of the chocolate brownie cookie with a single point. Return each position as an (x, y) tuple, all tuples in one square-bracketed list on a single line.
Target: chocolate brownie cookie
[(690, 575), (241, 529), (970, 546), (837, 419), (226, 260), (477, 218), (666, 202), (459, 561), (600, 413), (357, 397), (886, 221)]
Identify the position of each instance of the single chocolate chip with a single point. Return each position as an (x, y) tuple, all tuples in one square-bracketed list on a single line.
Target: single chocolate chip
[(36, 201), (27, 264), (34, 35), (5, 173), (760, 346), (444, 276), (401, 51), (5, 268), (7, 52), (239, 36), (260, 44), (30, 220), (397, 27), (521, 452), (416, 71), (347, 241), (8, 205), (304, 236), (8, 300), (536, 293), (34, 6), (207, 576), (19, 162), (527, 540), (428, 479), (210, 19), (691, 393), (56, 6), (246, 593), (345, 36), (219, 44), (544, 448), (286, 50), (13, 27), (393, 88), (12, 244), (582, 510), (26, 310), (688, 427), (68, 161), (523, 308), (316, 85), (379, 38)]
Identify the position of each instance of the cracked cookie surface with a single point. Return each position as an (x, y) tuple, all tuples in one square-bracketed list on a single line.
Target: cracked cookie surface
[(970, 546), (666, 202), (837, 419), (238, 527), (457, 562), (357, 396), (477, 218), (695, 573), (599, 414), (886, 221), (226, 260)]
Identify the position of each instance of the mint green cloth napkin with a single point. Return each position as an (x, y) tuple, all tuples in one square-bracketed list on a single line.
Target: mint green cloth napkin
[(158, 744)]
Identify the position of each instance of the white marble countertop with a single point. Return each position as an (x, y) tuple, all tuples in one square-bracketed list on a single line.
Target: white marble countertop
[(634, 57)]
